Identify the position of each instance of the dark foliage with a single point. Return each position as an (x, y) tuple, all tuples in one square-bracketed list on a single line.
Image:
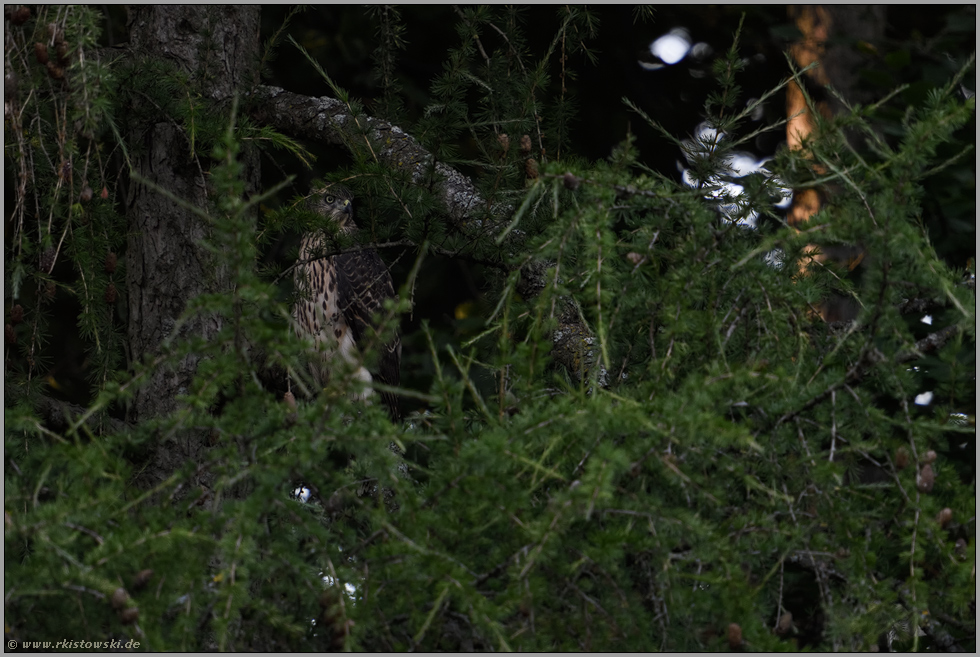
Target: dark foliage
[(627, 428)]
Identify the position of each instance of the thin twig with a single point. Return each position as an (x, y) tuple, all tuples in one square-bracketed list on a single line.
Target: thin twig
[(85, 530), (833, 424), (476, 36)]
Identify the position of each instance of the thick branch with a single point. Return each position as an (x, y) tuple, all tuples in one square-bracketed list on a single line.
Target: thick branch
[(330, 121), (932, 342)]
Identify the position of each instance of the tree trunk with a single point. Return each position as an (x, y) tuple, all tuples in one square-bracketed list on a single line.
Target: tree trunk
[(830, 34), (166, 263)]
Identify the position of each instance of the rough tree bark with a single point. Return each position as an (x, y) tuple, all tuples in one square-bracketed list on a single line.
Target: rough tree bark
[(166, 263)]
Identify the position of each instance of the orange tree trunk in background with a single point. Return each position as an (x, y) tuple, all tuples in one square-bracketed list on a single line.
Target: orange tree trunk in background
[(814, 23), (830, 35)]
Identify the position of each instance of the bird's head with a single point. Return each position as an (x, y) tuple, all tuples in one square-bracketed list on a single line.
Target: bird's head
[(335, 202)]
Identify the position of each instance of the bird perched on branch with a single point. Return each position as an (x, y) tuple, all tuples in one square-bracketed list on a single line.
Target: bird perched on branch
[(339, 298)]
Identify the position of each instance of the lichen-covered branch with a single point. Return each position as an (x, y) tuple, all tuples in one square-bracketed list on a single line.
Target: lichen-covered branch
[(330, 121), (932, 342)]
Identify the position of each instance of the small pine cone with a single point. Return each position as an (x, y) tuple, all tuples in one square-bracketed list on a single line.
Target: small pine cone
[(110, 262), (55, 71), (142, 578), (785, 624), (17, 314), (20, 16), (129, 615), (337, 642), (86, 194), (635, 258), (111, 294), (531, 168), (504, 142), (105, 193), (328, 599), (47, 259), (331, 619), (50, 289), (9, 335), (119, 598), (571, 182), (901, 458), (525, 144), (290, 400), (61, 48), (926, 478), (734, 636), (930, 457), (41, 53), (944, 517)]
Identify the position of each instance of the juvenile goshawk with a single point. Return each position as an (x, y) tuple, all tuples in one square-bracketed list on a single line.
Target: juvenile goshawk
[(339, 297)]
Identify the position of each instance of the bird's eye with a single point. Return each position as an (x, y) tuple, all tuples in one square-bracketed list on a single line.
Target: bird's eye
[(329, 198)]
